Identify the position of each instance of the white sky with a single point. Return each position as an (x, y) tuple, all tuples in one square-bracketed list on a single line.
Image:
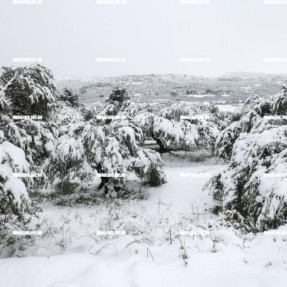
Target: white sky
[(236, 35)]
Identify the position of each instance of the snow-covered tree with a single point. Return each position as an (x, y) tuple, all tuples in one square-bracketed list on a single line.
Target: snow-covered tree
[(15, 205), (68, 162), (28, 97), (182, 126), (68, 96), (226, 139), (114, 149), (251, 190), (244, 122), (106, 143), (28, 90), (118, 96)]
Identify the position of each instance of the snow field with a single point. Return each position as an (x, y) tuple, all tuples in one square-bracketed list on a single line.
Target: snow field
[(153, 253)]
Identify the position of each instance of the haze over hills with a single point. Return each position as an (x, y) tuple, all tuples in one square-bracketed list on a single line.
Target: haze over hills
[(248, 75), (228, 88)]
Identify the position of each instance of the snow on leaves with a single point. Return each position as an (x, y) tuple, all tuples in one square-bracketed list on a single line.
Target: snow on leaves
[(257, 149)]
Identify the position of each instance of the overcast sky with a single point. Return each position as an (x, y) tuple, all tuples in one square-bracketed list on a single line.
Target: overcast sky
[(152, 35)]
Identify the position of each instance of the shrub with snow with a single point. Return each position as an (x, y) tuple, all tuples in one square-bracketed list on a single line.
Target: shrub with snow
[(68, 162), (27, 93), (15, 205), (91, 149), (182, 126), (28, 90), (68, 96), (118, 96), (251, 190)]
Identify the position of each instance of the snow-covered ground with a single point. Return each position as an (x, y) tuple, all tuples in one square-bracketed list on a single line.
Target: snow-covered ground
[(230, 108), (154, 251)]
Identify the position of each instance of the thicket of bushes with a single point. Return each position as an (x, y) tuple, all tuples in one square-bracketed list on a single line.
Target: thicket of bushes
[(72, 146)]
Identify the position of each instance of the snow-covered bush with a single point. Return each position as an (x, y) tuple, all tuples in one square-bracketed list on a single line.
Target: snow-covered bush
[(15, 205), (251, 190), (114, 149), (27, 99), (68, 162), (3, 100), (226, 139), (253, 110), (118, 96), (68, 96), (132, 109), (182, 126), (91, 148), (35, 137), (30, 96), (28, 90)]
